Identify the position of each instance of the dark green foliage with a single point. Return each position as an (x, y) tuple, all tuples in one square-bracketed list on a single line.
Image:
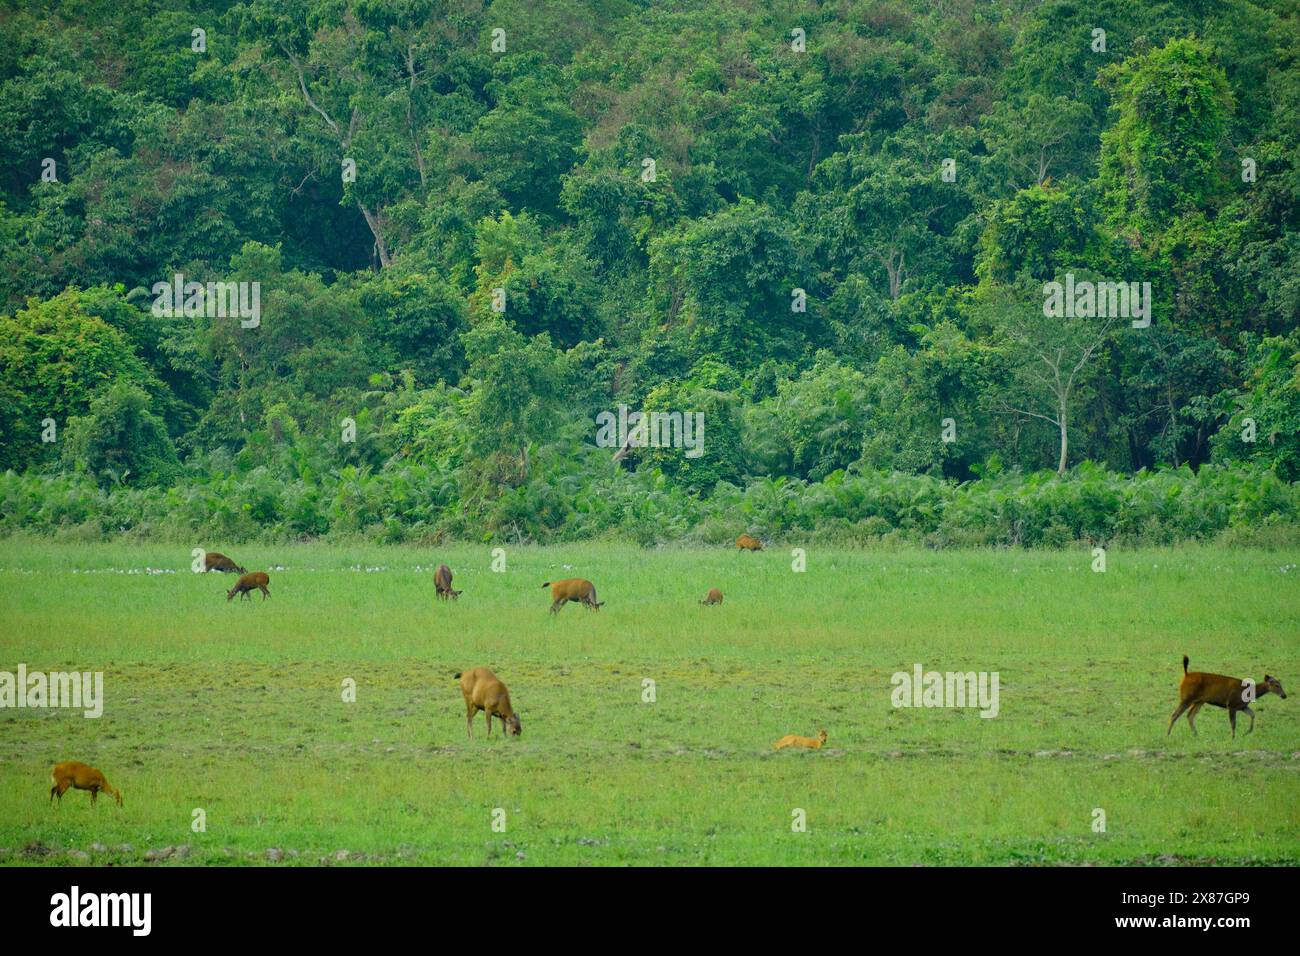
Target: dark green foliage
[(825, 227), (119, 440)]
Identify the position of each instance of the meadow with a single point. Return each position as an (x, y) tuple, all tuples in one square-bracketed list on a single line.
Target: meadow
[(237, 708)]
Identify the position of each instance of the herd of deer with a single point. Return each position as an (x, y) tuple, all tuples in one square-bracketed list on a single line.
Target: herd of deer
[(484, 691)]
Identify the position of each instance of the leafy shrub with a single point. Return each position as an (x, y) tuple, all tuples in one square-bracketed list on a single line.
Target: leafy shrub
[(565, 500)]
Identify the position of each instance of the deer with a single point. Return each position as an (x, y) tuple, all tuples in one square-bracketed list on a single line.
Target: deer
[(749, 543), (713, 597), (791, 740), (1198, 689), (484, 691), (573, 589), (72, 773), (442, 583), (216, 561), (257, 579)]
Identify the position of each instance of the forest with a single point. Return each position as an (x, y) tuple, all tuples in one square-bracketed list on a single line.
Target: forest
[(457, 233)]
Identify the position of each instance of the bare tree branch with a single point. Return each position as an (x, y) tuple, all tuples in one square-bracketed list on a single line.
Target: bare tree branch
[(302, 84)]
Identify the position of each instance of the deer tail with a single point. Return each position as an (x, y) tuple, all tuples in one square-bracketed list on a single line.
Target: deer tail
[(547, 584), (1184, 663)]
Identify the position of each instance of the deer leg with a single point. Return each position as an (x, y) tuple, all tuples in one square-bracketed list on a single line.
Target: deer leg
[(1251, 714), (1182, 706), (94, 795), (469, 720), (265, 593), (1232, 719), (488, 715), (1191, 715), (555, 606)]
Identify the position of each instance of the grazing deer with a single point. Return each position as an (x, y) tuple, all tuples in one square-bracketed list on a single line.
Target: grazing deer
[(713, 597), (256, 579), (1198, 689), (483, 691), (216, 561), (442, 583), (791, 740), (72, 773), (747, 543), (573, 589)]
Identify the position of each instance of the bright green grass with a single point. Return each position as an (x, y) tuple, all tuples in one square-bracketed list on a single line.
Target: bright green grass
[(236, 708)]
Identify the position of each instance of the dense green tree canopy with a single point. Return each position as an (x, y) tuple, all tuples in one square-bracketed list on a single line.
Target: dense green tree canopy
[(473, 227)]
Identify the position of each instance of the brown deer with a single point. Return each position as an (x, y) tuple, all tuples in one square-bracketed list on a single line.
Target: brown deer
[(216, 561), (748, 543), (257, 579), (713, 597), (573, 589), (442, 583), (483, 691), (1198, 689), (72, 773), (791, 740)]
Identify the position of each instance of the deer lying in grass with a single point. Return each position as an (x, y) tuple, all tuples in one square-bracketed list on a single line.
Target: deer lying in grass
[(1198, 689), (713, 597), (216, 561), (256, 579), (80, 776), (747, 543), (573, 589), (442, 583), (483, 691), (790, 740)]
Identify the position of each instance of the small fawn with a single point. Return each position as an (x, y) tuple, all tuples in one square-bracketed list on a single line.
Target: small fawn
[(254, 579), (713, 597), (442, 584), (749, 543), (484, 691), (792, 740), (1198, 689), (573, 589), (72, 773)]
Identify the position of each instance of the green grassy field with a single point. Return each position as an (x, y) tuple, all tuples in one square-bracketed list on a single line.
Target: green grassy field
[(237, 708)]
